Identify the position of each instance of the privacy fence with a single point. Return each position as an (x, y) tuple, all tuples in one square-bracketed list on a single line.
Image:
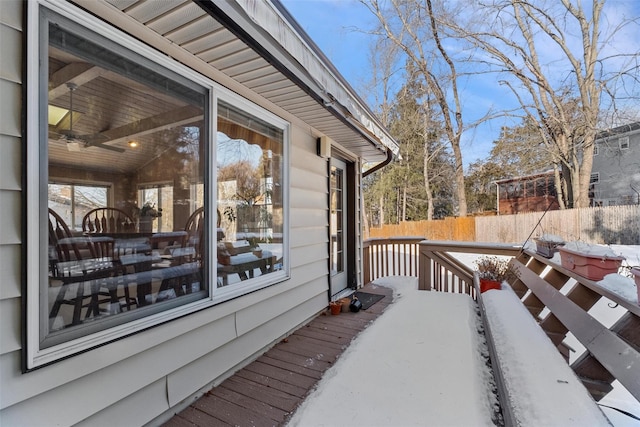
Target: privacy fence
[(611, 224)]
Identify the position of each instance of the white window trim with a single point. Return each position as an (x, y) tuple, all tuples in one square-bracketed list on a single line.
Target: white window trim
[(36, 226), (623, 142)]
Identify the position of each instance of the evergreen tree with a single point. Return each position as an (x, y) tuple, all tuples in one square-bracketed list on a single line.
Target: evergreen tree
[(418, 183)]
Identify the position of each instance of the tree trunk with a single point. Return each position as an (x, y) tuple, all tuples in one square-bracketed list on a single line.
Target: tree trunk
[(427, 183), (560, 192), (404, 203), (459, 176), (584, 177), (365, 220)]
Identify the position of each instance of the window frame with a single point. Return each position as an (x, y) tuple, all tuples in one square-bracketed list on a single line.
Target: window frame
[(594, 178), (81, 183), (623, 142), (227, 293), (39, 15)]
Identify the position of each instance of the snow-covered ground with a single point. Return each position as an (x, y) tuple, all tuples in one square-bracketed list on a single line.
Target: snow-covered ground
[(375, 384), (397, 372)]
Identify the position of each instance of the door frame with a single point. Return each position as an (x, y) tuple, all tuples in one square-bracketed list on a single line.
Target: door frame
[(349, 226)]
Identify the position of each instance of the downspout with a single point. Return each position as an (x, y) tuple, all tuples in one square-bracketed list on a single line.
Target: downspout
[(379, 165)]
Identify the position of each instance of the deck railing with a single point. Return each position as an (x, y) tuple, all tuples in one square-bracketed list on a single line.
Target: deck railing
[(558, 299), (441, 271), (396, 256)]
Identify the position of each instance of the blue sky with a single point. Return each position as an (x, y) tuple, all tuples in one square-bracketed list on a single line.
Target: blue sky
[(332, 25)]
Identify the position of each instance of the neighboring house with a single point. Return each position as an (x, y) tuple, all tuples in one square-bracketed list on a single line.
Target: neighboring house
[(530, 193), (615, 175), (229, 151)]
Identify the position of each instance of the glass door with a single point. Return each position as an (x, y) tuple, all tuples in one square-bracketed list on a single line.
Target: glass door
[(338, 205)]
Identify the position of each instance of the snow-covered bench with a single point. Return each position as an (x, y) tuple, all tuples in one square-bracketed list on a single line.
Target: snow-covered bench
[(535, 384)]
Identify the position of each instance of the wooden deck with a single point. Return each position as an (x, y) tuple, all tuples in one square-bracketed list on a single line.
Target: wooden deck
[(267, 391)]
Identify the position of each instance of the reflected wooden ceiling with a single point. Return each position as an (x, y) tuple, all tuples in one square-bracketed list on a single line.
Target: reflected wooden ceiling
[(109, 111)]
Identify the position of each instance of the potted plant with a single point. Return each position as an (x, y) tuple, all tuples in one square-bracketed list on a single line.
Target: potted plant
[(590, 261), (146, 215), (335, 306), (547, 244), (492, 271)]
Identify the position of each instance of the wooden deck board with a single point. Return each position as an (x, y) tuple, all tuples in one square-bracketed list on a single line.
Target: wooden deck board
[(292, 367), (233, 413), (276, 398), (332, 328), (281, 374), (268, 390), (311, 348), (276, 378), (295, 359), (195, 417), (326, 335), (254, 405)]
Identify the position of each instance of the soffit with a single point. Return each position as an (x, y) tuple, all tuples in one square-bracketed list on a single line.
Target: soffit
[(187, 25)]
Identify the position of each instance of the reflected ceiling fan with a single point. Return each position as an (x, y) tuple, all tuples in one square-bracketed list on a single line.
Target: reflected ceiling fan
[(76, 142)]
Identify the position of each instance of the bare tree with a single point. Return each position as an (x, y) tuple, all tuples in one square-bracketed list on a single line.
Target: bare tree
[(552, 56), (412, 27)]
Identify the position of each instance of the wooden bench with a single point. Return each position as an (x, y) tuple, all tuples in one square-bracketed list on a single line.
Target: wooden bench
[(535, 384)]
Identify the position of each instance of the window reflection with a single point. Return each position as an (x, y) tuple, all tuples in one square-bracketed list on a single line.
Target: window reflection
[(126, 152), (250, 200), (126, 230)]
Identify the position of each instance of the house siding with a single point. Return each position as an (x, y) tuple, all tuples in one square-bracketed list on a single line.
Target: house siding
[(138, 378), (10, 190), (618, 169)]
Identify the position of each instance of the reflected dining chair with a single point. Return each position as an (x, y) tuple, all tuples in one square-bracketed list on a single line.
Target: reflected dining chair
[(69, 257), (107, 220), (195, 238), (86, 262)]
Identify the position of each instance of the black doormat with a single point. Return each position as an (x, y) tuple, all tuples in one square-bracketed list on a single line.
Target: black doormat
[(368, 299)]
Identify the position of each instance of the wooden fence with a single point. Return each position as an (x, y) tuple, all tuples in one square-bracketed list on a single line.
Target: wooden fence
[(611, 224), (457, 229)]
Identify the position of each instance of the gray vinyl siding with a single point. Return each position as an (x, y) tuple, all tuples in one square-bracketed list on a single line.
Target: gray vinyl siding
[(618, 169), (136, 379), (10, 192)]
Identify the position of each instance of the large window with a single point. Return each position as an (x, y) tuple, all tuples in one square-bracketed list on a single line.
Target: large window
[(123, 174)]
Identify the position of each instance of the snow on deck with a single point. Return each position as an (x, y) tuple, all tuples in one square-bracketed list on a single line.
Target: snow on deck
[(541, 387), (422, 362)]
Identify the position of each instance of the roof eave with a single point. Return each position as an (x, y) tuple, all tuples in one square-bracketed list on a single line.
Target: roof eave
[(268, 28)]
